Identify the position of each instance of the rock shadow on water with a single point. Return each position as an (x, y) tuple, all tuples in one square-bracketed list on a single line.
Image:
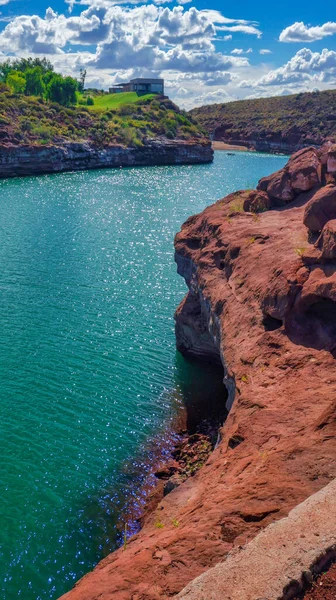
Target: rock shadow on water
[(177, 451)]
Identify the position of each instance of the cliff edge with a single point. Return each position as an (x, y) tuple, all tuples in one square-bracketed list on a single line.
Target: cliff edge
[(260, 266)]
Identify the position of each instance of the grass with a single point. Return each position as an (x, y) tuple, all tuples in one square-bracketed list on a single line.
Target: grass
[(108, 101)]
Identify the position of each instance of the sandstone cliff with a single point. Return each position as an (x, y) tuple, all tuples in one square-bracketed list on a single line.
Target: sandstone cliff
[(260, 266), (74, 156)]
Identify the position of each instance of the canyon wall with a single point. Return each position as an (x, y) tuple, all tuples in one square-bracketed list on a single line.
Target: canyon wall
[(34, 160), (260, 266)]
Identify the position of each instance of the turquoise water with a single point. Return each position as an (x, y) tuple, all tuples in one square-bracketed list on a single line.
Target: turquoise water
[(88, 367)]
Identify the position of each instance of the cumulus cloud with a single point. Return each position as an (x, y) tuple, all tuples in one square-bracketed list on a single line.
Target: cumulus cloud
[(215, 97), (304, 66), (147, 24), (299, 32), (127, 37), (265, 51)]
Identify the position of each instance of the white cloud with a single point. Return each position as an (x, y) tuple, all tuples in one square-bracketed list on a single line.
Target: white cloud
[(143, 37), (265, 51), (305, 67), (214, 97), (239, 51), (299, 32), (248, 29)]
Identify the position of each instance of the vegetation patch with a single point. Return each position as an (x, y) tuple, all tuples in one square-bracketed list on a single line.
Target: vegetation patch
[(41, 107)]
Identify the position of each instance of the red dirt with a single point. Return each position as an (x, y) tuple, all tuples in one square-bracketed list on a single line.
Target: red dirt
[(324, 588), (267, 296)]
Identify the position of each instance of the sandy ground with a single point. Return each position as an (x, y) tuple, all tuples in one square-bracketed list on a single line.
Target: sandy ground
[(224, 146)]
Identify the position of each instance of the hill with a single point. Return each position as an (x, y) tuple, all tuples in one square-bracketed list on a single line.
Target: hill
[(35, 121), (279, 124)]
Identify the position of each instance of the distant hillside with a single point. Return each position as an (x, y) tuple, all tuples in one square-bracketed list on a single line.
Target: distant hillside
[(279, 124)]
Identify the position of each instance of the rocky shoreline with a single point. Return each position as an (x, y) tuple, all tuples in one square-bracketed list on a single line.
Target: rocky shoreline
[(274, 145), (21, 160), (260, 266)]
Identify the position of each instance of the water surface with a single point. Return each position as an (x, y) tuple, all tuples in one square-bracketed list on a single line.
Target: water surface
[(88, 368)]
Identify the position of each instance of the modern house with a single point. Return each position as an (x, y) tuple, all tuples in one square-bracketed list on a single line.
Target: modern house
[(140, 85)]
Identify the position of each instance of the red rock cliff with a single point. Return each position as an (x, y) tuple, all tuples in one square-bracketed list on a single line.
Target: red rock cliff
[(261, 270)]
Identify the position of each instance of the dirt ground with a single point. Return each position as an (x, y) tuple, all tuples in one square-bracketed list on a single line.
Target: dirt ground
[(324, 588)]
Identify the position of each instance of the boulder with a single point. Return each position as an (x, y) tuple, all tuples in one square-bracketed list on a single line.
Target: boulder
[(331, 159), (257, 201), (321, 208), (327, 240), (278, 186), (302, 173), (304, 169)]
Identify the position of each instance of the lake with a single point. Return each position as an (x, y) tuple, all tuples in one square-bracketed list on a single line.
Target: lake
[(88, 367)]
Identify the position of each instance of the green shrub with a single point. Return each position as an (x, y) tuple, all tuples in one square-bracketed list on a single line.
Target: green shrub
[(90, 101), (42, 132)]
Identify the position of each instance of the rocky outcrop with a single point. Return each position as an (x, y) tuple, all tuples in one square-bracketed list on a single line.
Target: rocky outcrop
[(261, 299), (34, 160)]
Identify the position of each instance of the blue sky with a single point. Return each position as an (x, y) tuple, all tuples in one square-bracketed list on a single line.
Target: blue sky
[(207, 51)]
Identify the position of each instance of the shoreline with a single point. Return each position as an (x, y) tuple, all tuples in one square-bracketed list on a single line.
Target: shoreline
[(217, 145)]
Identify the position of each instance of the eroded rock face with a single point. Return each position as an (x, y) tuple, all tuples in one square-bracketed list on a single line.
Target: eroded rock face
[(32, 160), (261, 298)]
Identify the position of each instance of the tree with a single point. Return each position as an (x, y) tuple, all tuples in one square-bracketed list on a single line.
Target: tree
[(62, 90), (16, 81), (34, 82), (23, 65), (70, 87), (82, 76)]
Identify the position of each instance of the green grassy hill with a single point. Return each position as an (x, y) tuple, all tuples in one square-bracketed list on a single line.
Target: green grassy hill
[(107, 101), (113, 119), (295, 120)]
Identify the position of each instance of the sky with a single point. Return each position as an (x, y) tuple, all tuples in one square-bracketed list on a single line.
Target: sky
[(206, 50)]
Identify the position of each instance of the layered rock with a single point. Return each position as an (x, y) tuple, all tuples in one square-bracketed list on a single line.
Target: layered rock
[(261, 299), (34, 160)]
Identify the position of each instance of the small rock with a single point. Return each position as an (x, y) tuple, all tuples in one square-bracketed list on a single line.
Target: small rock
[(172, 483), (257, 201)]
